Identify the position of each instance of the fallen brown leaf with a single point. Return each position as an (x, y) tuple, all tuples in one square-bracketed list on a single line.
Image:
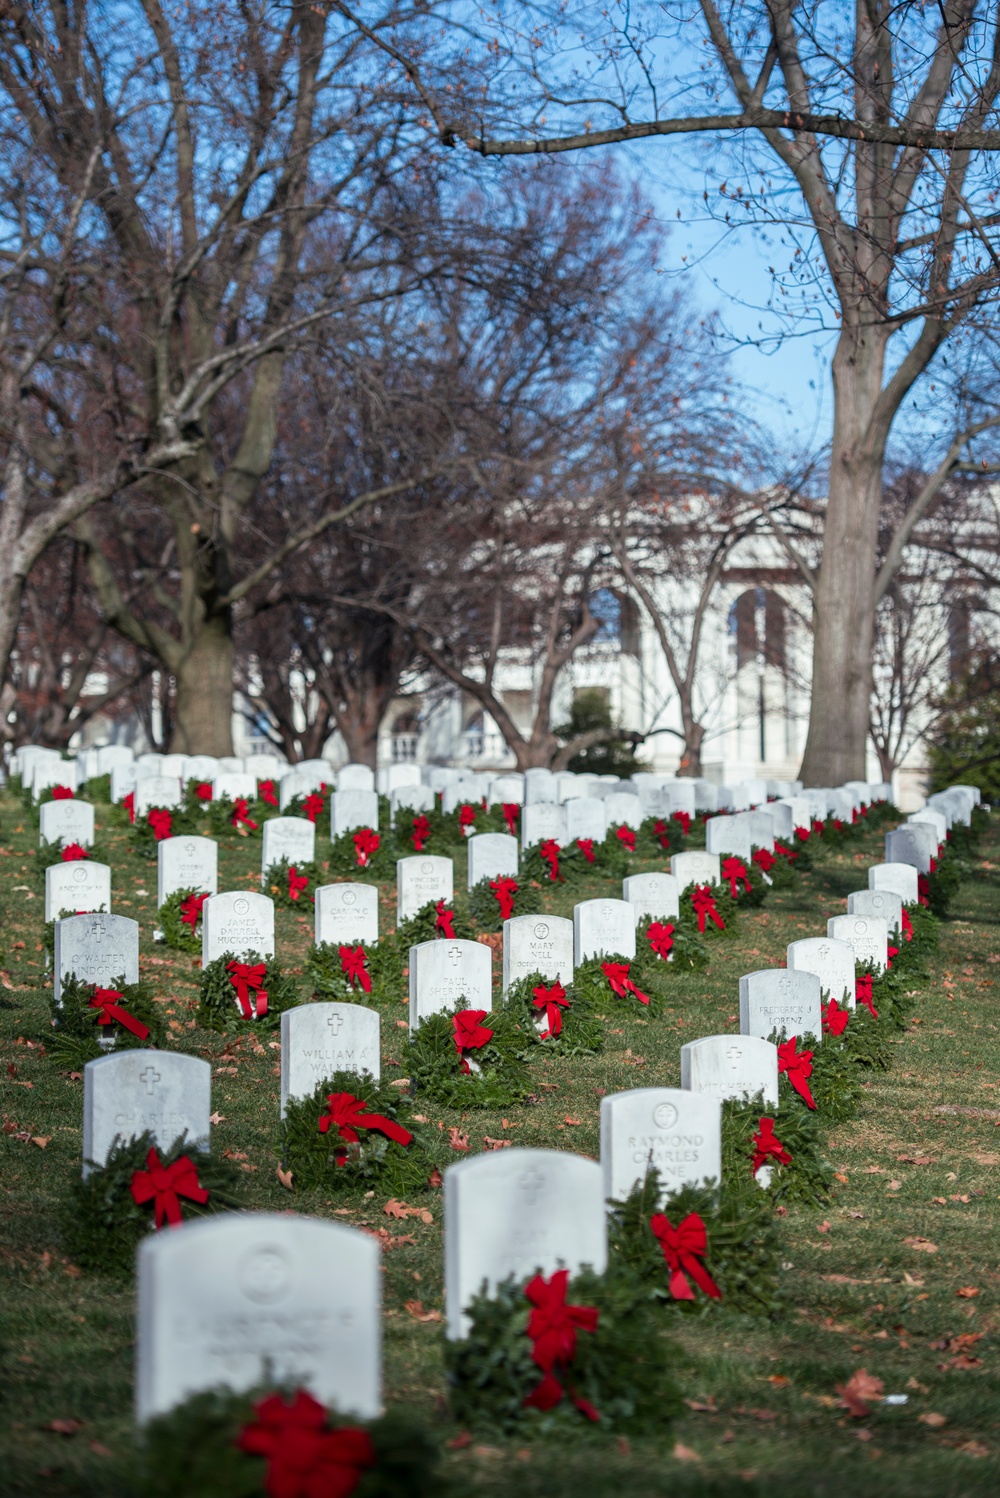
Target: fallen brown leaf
[(839, 1175), (457, 1140), (574, 1123), (64, 1427), (285, 1177), (967, 1292), (415, 1308), (41, 1140), (934, 1420), (497, 1144), (684, 1453), (922, 1245), (703, 1406), (859, 1391), (216, 1118), (394, 1208), (917, 1159)]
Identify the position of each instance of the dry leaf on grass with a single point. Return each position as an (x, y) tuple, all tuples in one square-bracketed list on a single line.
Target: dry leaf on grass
[(415, 1308), (922, 1245), (41, 1140), (457, 1140), (684, 1453), (967, 1292), (973, 1448), (917, 1159), (285, 1177), (497, 1144), (574, 1123), (387, 1240), (934, 1420), (705, 1406), (859, 1392), (63, 1427), (217, 1118), (398, 1209)]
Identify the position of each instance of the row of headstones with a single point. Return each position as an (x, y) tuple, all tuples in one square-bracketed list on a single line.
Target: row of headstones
[(221, 1302)]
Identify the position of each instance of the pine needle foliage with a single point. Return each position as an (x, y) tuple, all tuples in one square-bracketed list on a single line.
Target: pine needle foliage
[(176, 932), (276, 884), (395, 1169), (484, 907), (582, 1033), (217, 1006), (78, 1036), (498, 1076)]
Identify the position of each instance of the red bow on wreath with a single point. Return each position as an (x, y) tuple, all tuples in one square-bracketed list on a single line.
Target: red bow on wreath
[(241, 814), (817, 827), (923, 889), (304, 1458), (764, 859), (445, 920), (313, 805), (347, 1114), (906, 925), (549, 850), (191, 909), (366, 842), (353, 965), (553, 1001), (586, 847), (469, 1033), (466, 817), (163, 1184), (835, 1018), (204, 790), (662, 831), (890, 953), (703, 903), (684, 818), (552, 1327), (735, 871), (767, 1146), (265, 790), (72, 852), (505, 890), (421, 832), (863, 993), (511, 812), (626, 837), (106, 1001), (160, 821), (661, 938), (803, 834), (682, 1247), (128, 802), (617, 974), (246, 979), (297, 883), (797, 1066), (784, 850), (62, 793)]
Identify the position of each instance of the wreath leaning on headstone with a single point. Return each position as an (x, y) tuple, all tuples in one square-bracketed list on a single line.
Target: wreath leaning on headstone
[(141, 1189), (362, 972), (157, 823), (180, 918), (493, 901), (91, 1020), (608, 982), (292, 885), (351, 1132), (671, 944), (438, 918), (49, 854), (468, 1058), (363, 849), (237, 992), (555, 1016), (220, 1444)]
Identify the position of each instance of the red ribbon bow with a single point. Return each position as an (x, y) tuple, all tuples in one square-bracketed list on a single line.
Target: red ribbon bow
[(835, 1018), (626, 837), (246, 979), (347, 1114), (549, 850), (923, 889), (784, 850), (204, 791), (128, 802), (160, 821), (764, 859), (466, 816), (265, 790), (421, 832), (505, 890), (863, 993), (662, 831), (62, 793), (297, 883), (906, 925), (797, 1066), (72, 852), (767, 1146), (511, 812), (890, 953), (661, 938), (586, 847), (241, 814), (735, 870), (617, 974), (933, 866), (552, 1327), (191, 909), (469, 1033), (304, 1458), (313, 805), (553, 1000), (803, 834), (106, 1000), (366, 842), (682, 1247), (703, 902), (163, 1184), (445, 920), (353, 965), (684, 818), (817, 827)]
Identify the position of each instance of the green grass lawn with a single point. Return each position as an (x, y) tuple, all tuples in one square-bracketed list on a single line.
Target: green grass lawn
[(920, 1162)]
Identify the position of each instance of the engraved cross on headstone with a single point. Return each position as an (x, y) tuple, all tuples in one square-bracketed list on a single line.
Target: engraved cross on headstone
[(531, 1184), (336, 1023), (734, 1056), (150, 1077), (454, 953)]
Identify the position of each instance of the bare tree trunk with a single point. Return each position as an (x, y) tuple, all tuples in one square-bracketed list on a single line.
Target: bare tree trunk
[(844, 598), (694, 734), (203, 712)]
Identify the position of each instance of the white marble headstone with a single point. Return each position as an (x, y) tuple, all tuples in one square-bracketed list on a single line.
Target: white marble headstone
[(655, 895), (156, 790), (882, 903), (695, 868), (602, 928), (123, 782), (300, 782), (492, 855), (244, 1297), (81, 885), (537, 944), (506, 790), (731, 1066), (900, 878), (624, 810), (515, 1212), (346, 913), (421, 878), (238, 922), (352, 809), (293, 838), (542, 820), (586, 817), (832, 962), (540, 785), (409, 801), (320, 1039), (916, 844), (728, 836), (868, 935), (128, 1093), (186, 863), (677, 1131), (784, 999), (355, 778), (97, 949), (67, 822), (442, 972)]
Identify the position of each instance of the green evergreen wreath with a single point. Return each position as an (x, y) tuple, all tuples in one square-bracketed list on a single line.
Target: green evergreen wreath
[(145, 841), (726, 906), (650, 844), (608, 859), (217, 1003), (219, 812), (942, 886), (453, 829), (484, 907), (193, 1451), (47, 855), (783, 873), (433, 1062), (623, 1368), (98, 788), (925, 934), (807, 1178), (423, 926), (78, 1033), (688, 949), (102, 1224), (647, 972), (324, 970), (743, 1254), (439, 831), (176, 932), (381, 865), (835, 1083), (375, 1161), (277, 886), (582, 1033)]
